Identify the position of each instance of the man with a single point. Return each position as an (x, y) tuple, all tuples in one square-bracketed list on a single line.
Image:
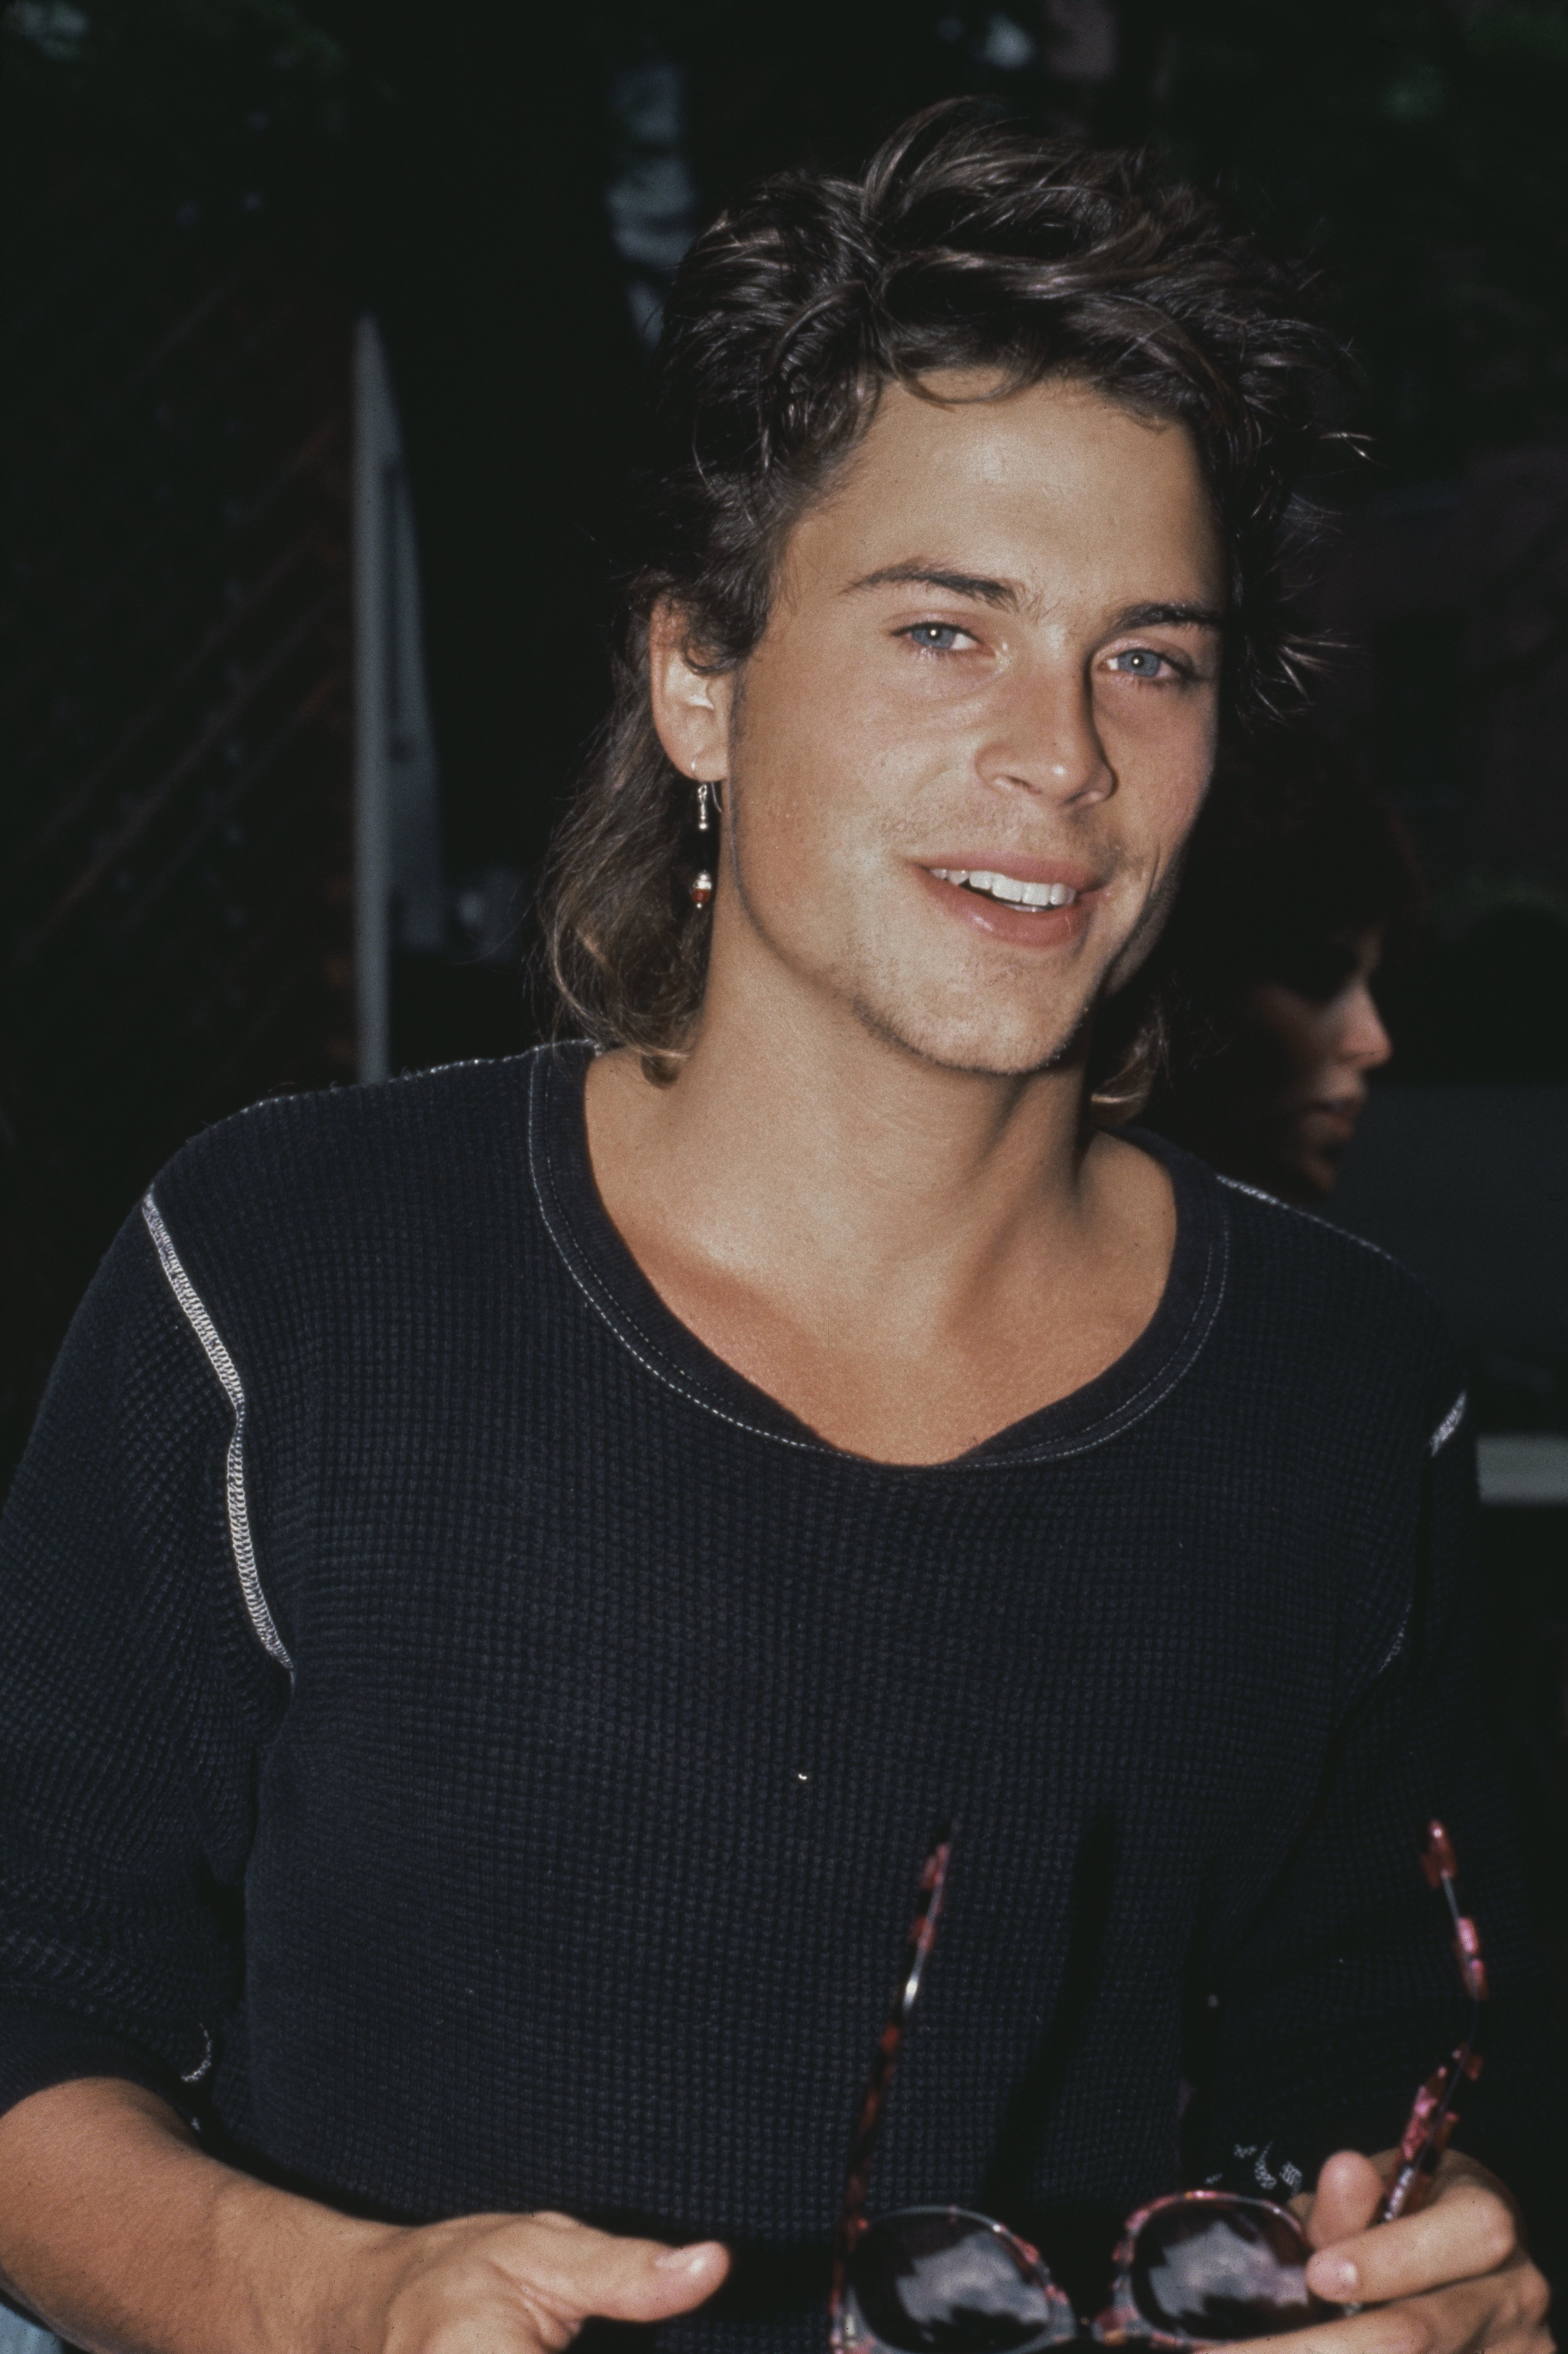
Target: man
[(515, 1564)]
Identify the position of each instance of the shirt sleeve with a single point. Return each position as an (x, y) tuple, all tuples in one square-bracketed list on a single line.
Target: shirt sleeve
[(136, 1705), (1342, 1992)]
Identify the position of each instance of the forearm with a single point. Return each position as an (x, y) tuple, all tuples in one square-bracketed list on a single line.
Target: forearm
[(122, 2232)]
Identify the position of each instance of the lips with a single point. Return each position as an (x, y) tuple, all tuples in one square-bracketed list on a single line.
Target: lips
[(1028, 903), (1336, 1120)]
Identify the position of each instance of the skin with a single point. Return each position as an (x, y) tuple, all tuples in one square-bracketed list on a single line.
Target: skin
[(995, 645), (1303, 1123), (123, 2234), (870, 1189)]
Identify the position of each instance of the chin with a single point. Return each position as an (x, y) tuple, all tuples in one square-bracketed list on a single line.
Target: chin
[(990, 1043), (1305, 1177), (1317, 1176)]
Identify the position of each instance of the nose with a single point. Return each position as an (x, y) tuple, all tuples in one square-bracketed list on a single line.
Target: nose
[(1042, 739), (1363, 1041)]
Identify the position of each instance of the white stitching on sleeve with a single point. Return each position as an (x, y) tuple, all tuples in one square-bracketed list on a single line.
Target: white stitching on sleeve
[(1449, 1423), (193, 1311), (1295, 1210)]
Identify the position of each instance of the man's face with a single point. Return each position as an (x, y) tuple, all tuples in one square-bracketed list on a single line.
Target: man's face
[(994, 654)]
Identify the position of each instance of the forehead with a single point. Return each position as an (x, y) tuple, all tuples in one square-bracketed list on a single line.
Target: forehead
[(1055, 486)]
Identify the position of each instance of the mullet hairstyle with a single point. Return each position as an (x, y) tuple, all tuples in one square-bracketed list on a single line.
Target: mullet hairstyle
[(966, 243)]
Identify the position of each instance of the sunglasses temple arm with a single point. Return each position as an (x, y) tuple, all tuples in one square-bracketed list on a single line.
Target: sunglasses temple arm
[(1432, 2117), (1426, 2136), (922, 1937)]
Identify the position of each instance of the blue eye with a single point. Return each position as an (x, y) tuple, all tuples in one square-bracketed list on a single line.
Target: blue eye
[(935, 637), (1139, 662)]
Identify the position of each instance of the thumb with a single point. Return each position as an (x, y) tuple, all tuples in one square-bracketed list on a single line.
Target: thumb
[(580, 2271), (1348, 2190)]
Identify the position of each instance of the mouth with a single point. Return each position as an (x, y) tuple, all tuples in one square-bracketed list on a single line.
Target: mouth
[(1033, 904), (1012, 890), (1334, 1119)]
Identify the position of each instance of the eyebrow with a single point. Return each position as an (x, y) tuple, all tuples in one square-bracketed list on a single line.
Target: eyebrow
[(933, 575), (1168, 616), (1004, 594)]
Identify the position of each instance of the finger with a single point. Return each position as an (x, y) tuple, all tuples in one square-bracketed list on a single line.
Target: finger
[(1350, 2190), (1447, 2322), (1464, 2233), (1389, 2331), (1503, 2314), (579, 2271)]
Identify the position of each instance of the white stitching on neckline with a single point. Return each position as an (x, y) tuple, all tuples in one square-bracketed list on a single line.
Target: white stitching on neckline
[(1449, 1423), (194, 2075), (568, 1257), (1394, 1649), (193, 1311), (1184, 1356)]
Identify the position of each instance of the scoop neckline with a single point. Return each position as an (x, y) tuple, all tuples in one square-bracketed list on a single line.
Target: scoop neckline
[(615, 1288)]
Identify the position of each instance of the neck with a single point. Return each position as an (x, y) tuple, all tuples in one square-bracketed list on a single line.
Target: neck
[(910, 1258), (799, 1140)]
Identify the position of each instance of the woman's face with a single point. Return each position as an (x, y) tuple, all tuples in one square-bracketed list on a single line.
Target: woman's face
[(1317, 1055)]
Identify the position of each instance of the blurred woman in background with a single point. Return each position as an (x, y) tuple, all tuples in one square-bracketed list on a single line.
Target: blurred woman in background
[(1298, 885)]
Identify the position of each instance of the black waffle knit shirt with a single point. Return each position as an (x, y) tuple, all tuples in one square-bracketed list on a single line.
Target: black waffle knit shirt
[(470, 1749)]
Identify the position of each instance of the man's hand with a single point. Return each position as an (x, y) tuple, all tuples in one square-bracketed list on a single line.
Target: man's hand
[(120, 2230), (515, 2284), (1451, 2279)]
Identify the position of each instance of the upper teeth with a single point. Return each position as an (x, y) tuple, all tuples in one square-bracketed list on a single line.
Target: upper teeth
[(1008, 886)]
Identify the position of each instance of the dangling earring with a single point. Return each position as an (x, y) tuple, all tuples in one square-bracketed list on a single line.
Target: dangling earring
[(702, 889)]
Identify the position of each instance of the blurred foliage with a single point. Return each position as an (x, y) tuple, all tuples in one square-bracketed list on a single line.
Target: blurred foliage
[(224, 118), (1413, 147), (1417, 150), (1482, 1002), (1482, 998)]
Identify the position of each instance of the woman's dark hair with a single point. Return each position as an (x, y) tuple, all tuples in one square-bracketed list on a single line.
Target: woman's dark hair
[(1291, 866), (967, 243)]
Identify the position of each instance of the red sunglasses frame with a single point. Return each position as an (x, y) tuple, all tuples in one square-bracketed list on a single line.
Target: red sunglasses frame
[(1426, 2133)]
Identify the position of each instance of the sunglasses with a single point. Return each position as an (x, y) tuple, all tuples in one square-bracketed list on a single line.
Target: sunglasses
[(1197, 2268)]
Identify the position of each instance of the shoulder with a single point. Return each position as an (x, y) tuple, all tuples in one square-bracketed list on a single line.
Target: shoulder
[(330, 1135), (345, 1180), (1305, 1255), (1320, 1316)]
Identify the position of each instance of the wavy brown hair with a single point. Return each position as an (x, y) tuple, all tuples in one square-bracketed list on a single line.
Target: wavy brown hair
[(966, 243)]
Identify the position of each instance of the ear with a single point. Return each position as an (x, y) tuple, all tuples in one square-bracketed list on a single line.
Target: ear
[(690, 706)]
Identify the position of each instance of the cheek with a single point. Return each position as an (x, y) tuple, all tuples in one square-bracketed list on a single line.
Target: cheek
[(1296, 1028), (818, 763), (1162, 746)]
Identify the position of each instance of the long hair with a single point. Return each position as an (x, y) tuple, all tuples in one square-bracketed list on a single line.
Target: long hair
[(966, 243)]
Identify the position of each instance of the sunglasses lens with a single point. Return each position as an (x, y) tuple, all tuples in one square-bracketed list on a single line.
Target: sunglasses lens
[(1218, 2269), (937, 2281)]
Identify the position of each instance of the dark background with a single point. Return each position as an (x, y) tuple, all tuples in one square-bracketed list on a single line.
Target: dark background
[(202, 195)]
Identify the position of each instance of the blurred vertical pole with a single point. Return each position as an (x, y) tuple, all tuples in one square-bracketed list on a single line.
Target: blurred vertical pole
[(399, 894), (374, 443)]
